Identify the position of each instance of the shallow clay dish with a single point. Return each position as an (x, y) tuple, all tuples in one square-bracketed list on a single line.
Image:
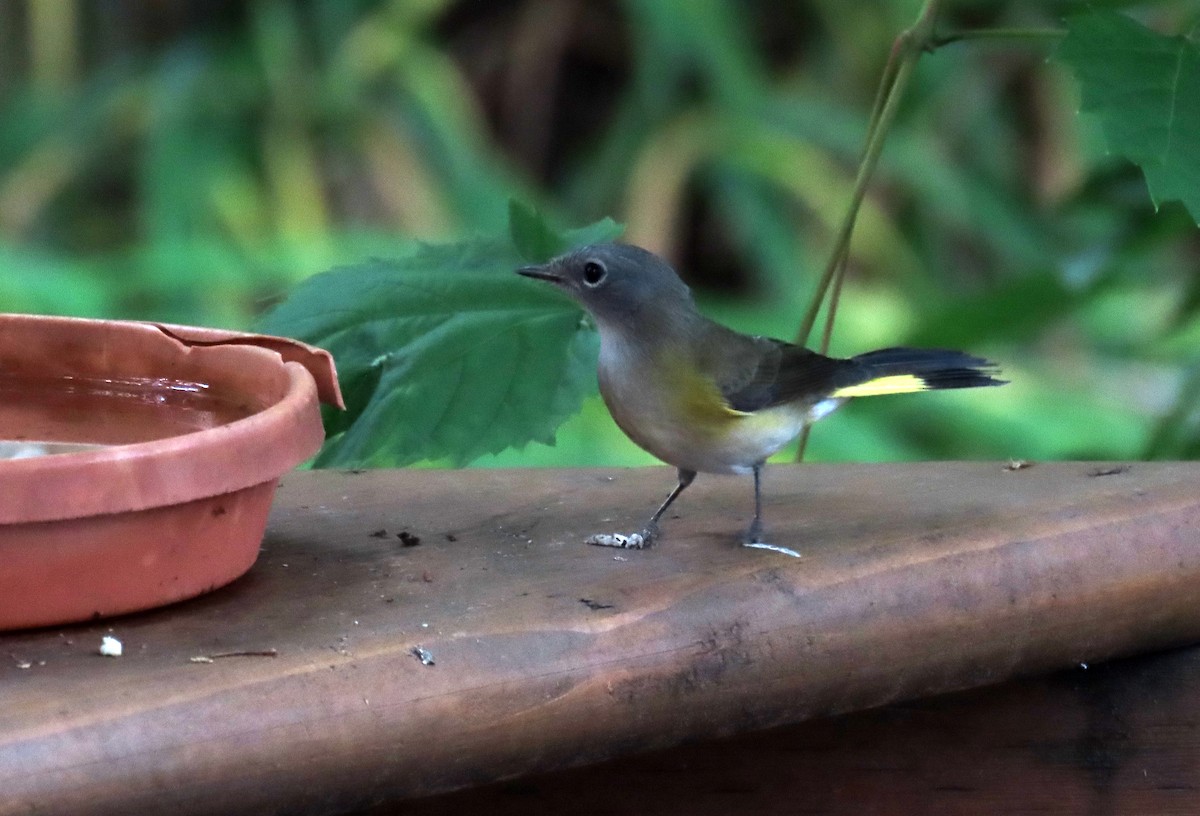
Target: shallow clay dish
[(172, 441)]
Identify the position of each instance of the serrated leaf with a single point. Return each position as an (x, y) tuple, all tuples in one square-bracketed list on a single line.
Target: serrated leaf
[(445, 353), (597, 233), (1145, 88), (538, 242)]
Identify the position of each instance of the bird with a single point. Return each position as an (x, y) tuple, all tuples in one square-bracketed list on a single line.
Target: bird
[(707, 399)]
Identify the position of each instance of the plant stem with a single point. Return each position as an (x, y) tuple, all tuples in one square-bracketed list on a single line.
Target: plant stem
[(906, 51)]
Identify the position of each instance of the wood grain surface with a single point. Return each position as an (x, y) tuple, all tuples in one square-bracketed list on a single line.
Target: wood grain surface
[(915, 580), (1120, 738)]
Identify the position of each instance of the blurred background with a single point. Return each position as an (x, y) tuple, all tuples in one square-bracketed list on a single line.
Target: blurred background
[(190, 161)]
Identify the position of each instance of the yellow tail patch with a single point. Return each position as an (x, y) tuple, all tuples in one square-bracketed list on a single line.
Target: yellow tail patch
[(895, 384)]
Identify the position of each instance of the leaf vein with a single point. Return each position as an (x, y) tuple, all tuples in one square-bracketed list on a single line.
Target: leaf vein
[(1174, 102)]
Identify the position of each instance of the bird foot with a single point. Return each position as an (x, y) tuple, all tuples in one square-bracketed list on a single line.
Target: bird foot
[(753, 540), (762, 545)]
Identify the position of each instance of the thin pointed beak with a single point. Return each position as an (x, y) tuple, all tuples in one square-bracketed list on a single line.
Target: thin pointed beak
[(541, 273)]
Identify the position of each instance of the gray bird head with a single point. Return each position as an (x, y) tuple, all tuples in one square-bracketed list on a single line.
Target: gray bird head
[(616, 281)]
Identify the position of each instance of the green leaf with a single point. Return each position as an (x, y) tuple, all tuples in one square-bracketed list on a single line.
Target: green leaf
[(531, 234), (1145, 88), (445, 353), (538, 242), (600, 232)]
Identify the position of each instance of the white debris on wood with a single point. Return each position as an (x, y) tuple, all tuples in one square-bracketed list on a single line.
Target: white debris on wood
[(111, 647), (633, 541)]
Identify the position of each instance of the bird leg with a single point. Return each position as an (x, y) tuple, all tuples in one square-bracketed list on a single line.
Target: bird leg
[(753, 536), (685, 479), (644, 539)]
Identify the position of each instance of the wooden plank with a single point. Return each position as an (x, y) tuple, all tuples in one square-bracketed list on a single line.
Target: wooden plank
[(915, 580), (1117, 738)]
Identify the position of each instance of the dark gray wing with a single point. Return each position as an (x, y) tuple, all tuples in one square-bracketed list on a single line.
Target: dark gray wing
[(761, 372)]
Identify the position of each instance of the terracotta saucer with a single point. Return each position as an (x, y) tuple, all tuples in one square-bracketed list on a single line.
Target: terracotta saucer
[(174, 439)]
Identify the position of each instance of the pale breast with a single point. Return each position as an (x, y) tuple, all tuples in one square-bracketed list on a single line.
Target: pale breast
[(679, 416)]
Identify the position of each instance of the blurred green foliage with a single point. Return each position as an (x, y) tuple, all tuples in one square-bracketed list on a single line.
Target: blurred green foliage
[(192, 161)]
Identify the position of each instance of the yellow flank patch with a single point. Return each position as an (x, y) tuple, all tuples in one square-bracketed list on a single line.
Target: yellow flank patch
[(701, 402), (895, 384), (696, 397)]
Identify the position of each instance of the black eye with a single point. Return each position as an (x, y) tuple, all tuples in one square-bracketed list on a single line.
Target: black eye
[(594, 273)]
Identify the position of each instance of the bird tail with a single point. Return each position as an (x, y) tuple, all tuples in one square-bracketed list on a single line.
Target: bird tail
[(903, 370)]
